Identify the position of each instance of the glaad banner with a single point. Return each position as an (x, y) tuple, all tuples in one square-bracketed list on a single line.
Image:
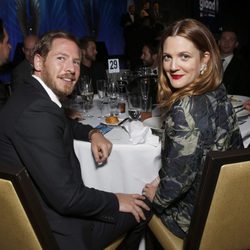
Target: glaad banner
[(209, 12)]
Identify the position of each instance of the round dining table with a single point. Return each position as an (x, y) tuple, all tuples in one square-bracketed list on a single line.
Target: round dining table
[(129, 166)]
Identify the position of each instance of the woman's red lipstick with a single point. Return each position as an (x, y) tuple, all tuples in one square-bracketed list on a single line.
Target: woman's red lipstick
[(176, 77)]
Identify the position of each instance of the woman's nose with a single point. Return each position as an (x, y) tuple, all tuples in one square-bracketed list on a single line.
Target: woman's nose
[(173, 65)]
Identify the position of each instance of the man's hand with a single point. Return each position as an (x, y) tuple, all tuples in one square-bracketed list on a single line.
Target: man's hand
[(132, 203), (101, 147)]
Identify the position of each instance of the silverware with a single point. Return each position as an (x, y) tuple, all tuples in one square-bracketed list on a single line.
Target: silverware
[(238, 110), (239, 106), (123, 121)]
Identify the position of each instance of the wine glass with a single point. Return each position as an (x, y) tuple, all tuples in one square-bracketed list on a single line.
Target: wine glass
[(102, 93), (87, 93)]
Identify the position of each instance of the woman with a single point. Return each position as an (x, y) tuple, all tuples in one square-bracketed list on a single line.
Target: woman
[(199, 118)]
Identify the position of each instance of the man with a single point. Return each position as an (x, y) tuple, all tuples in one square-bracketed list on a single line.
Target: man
[(89, 66), (235, 67), (130, 17), (34, 132), (4, 57), (149, 55), (4, 44), (24, 69)]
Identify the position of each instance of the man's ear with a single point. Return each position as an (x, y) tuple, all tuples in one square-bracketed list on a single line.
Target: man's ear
[(38, 63)]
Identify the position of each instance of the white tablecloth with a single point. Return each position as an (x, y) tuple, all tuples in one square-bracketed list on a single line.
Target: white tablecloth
[(128, 168)]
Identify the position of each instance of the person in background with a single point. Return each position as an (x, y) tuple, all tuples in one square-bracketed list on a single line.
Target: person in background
[(235, 79), (149, 55), (149, 59), (198, 118), (24, 68), (5, 48), (145, 10), (89, 66), (35, 133), (156, 14), (130, 17)]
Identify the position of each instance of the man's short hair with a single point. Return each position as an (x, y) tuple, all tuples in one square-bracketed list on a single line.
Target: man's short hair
[(84, 42), (43, 46), (153, 46)]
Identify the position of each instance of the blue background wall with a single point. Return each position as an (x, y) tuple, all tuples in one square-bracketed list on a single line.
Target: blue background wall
[(100, 18)]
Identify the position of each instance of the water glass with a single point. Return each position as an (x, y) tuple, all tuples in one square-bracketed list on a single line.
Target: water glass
[(113, 97), (144, 87), (134, 106), (101, 88), (146, 109)]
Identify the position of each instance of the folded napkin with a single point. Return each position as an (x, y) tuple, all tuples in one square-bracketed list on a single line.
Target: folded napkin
[(138, 133)]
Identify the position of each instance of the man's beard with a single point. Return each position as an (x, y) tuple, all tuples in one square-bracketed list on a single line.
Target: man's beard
[(67, 89), (90, 58)]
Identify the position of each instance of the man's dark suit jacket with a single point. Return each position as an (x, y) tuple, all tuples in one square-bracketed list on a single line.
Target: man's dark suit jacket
[(35, 133), (236, 78)]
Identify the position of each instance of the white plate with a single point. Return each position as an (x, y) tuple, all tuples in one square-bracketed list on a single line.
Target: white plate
[(153, 122), (113, 124), (237, 100), (243, 113)]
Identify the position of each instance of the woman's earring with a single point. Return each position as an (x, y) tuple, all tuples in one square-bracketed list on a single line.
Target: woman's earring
[(203, 69)]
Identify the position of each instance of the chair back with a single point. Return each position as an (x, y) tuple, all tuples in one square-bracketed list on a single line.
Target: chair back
[(221, 218), (23, 224)]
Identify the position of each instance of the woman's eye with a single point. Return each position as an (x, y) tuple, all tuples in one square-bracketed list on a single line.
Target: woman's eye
[(185, 57), (166, 58)]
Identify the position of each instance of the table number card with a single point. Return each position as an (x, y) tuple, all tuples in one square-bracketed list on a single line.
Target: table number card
[(113, 65)]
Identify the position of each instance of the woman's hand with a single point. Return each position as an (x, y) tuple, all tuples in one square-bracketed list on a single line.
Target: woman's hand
[(149, 189)]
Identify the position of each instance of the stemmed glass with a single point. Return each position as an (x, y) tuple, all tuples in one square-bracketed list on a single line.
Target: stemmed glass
[(146, 100), (102, 93), (87, 93), (144, 87)]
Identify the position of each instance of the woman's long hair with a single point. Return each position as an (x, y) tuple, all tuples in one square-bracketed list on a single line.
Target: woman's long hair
[(203, 40)]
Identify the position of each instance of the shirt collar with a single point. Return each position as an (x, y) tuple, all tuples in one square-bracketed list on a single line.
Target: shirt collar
[(51, 94), (228, 58)]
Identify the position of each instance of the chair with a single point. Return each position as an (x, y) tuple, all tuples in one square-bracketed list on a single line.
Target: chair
[(115, 244), (221, 218), (23, 224)]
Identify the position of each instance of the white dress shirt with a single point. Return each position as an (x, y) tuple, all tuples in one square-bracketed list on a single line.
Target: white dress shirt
[(51, 94), (226, 60)]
